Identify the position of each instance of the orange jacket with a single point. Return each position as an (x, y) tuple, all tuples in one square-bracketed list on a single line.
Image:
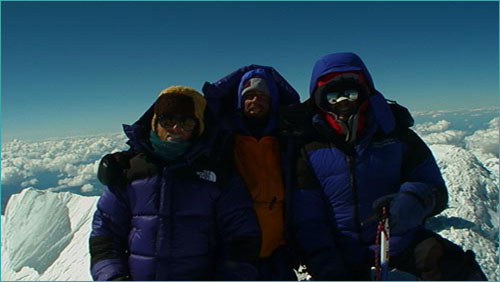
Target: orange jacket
[(258, 162)]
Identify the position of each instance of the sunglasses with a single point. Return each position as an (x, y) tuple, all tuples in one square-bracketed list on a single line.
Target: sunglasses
[(186, 123), (338, 96)]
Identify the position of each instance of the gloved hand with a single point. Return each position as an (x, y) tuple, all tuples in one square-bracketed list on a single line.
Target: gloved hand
[(122, 167), (295, 120), (141, 166), (111, 167), (409, 207)]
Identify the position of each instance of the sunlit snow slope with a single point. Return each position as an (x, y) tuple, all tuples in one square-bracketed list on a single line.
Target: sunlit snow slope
[(45, 236)]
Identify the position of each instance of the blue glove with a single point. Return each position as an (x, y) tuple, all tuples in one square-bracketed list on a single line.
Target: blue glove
[(409, 207)]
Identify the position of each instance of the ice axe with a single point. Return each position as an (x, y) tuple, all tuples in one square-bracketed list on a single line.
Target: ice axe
[(381, 207)]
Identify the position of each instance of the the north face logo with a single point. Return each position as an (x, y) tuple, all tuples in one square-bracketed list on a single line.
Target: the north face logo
[(207, 175)]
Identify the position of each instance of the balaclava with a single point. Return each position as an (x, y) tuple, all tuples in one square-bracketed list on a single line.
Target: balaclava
[(346, 115)]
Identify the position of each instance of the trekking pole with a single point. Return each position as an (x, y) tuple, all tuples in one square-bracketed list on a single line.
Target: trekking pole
[(382, 241)]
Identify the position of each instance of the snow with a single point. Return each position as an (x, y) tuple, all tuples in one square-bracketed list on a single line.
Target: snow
[(45, 236), (471, 219), (45, 230)]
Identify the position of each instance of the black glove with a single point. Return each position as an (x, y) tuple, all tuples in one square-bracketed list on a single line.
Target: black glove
[(295, 120), (141, 166), (409, 207), (123, 167), (111, 167)]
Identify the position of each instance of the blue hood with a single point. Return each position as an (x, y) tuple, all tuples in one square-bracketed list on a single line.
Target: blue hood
[(224, 96), (342, 62), (260, 73)]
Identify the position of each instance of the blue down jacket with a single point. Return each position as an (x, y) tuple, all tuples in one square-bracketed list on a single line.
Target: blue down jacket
[(186, 220), (337, 183)]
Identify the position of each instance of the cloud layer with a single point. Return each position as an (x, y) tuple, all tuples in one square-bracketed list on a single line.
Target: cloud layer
[(57, 164)]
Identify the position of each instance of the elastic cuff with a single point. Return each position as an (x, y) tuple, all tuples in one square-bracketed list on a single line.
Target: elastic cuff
[(107, 269)]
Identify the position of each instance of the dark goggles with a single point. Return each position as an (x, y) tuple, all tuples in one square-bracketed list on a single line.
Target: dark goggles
[(337, 91), (333, 97), (186, 123)]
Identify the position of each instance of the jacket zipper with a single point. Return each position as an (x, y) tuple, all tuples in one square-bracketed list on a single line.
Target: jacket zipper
[(352, 182), (165, 187)]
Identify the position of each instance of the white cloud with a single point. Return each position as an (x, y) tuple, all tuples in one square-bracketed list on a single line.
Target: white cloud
[(466, 112), (29, 183), (485, 140), (62, 163), (428, 127), (87, 188), (454, 137), (440, 133), (11, 175)]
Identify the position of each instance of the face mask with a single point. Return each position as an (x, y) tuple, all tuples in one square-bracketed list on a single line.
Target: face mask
[(168, 150), (341, 96)]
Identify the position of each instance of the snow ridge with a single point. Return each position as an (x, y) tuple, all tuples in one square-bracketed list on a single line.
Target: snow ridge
[(45, 234)]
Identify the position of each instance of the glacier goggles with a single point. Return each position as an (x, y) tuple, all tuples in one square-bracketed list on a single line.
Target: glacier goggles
[(333, 97), (336, 91), (186, 123)]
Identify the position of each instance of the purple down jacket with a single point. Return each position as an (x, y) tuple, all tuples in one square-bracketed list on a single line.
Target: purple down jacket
[(185, 220)]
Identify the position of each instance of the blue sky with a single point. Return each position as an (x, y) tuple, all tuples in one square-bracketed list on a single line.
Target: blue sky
[(77, 68)]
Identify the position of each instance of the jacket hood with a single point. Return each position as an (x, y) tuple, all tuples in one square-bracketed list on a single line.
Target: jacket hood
[(224, 96), (138, 132), (338, 62), (273, 90), (344, 62)]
